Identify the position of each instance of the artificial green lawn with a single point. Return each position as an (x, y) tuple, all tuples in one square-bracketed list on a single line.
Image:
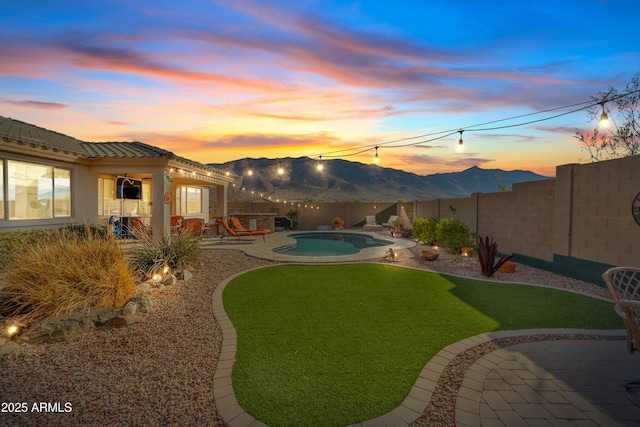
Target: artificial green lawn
[(338, 344)]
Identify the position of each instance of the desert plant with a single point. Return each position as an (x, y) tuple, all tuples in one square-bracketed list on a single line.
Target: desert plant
[(424, 229), (174, 250), (487, 250), (453, 234), (67, 274), (13, 242)]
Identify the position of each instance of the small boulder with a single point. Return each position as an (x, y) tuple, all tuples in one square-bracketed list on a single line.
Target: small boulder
[(129, 308), (143, 304), (62, 329), (168, 280)]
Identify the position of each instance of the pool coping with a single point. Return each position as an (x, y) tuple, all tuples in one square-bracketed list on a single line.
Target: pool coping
[(259, 248)]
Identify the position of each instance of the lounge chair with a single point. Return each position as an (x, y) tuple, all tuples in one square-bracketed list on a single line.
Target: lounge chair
[(389, 222), (237, 226), (231, 232), (624, 286)]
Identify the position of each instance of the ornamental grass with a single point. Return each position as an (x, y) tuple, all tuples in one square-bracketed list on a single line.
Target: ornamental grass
[(153, 253), (65, 274)]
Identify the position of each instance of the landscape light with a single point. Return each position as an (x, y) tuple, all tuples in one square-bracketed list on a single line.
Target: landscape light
[(11, 330)]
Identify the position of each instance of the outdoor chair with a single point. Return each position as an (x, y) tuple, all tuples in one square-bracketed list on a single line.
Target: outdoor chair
[(624, 286), (237, 226), (138, 226), (193, 225), (231, 232), (176, 222), (389, 222)]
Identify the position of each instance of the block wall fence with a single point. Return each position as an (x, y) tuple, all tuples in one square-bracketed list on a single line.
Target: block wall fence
[(578, 224)]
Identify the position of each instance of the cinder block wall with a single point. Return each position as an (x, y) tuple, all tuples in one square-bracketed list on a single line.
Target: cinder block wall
[(583, 215)]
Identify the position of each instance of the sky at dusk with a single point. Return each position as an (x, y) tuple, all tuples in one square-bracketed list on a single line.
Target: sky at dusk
[(215, 81)]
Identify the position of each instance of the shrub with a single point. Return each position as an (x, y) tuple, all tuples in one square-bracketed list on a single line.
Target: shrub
[(14, 242), (487, 250), (424, 229), (174, 250), (84, 230), (66, 274), (453, 235)]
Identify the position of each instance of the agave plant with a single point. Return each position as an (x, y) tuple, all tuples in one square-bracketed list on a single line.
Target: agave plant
[(487, 250)]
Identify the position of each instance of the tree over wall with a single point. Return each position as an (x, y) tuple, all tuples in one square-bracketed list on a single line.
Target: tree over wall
[(621, 138)]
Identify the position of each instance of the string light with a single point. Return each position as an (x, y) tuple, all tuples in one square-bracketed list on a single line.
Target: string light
[(398, 143), (604, 118)]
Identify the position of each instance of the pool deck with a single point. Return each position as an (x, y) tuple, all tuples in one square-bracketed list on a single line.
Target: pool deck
[(568, 377), (259, 248)]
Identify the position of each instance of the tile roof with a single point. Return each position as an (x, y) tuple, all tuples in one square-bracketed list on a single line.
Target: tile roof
[(33, 135), (124, 149), (21, 132)]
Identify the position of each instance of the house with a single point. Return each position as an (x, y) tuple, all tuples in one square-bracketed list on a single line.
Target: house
[(50, 180)]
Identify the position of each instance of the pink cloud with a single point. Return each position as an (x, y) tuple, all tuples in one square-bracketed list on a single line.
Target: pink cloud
[(34, 104)]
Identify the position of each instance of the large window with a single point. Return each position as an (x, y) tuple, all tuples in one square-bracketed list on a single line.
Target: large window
[(36, 191), (190, 200), (108, 204)]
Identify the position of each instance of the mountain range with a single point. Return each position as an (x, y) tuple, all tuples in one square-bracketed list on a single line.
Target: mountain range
[(298, 179)]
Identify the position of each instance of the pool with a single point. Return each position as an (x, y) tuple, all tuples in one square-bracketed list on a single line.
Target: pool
[(330, 244)]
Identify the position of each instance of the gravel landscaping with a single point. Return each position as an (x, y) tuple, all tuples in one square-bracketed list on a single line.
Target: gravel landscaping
[(158, 371)]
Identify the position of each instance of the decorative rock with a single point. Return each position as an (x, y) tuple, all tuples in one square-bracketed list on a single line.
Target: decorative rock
[(143, 303), (129, 308), (186, 275), (122, 320), (168, 280), (56, 330)]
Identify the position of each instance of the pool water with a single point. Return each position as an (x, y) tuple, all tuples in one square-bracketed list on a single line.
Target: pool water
[(330, 244)]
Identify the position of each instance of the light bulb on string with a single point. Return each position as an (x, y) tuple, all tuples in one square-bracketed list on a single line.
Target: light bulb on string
[(604, 118), (320, 166), (376, 159), (280, 168), (460, 141)]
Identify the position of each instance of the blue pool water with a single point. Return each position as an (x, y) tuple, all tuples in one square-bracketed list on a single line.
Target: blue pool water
[(330, 244)]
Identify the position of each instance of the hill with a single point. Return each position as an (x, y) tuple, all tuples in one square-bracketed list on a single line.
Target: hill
[(342, 180)]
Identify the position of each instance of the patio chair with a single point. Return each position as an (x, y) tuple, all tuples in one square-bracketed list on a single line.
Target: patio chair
[(389, 222), (193, 225), (237, 226), (176, 222), (231, 232), (624, 286), (137, 226)]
